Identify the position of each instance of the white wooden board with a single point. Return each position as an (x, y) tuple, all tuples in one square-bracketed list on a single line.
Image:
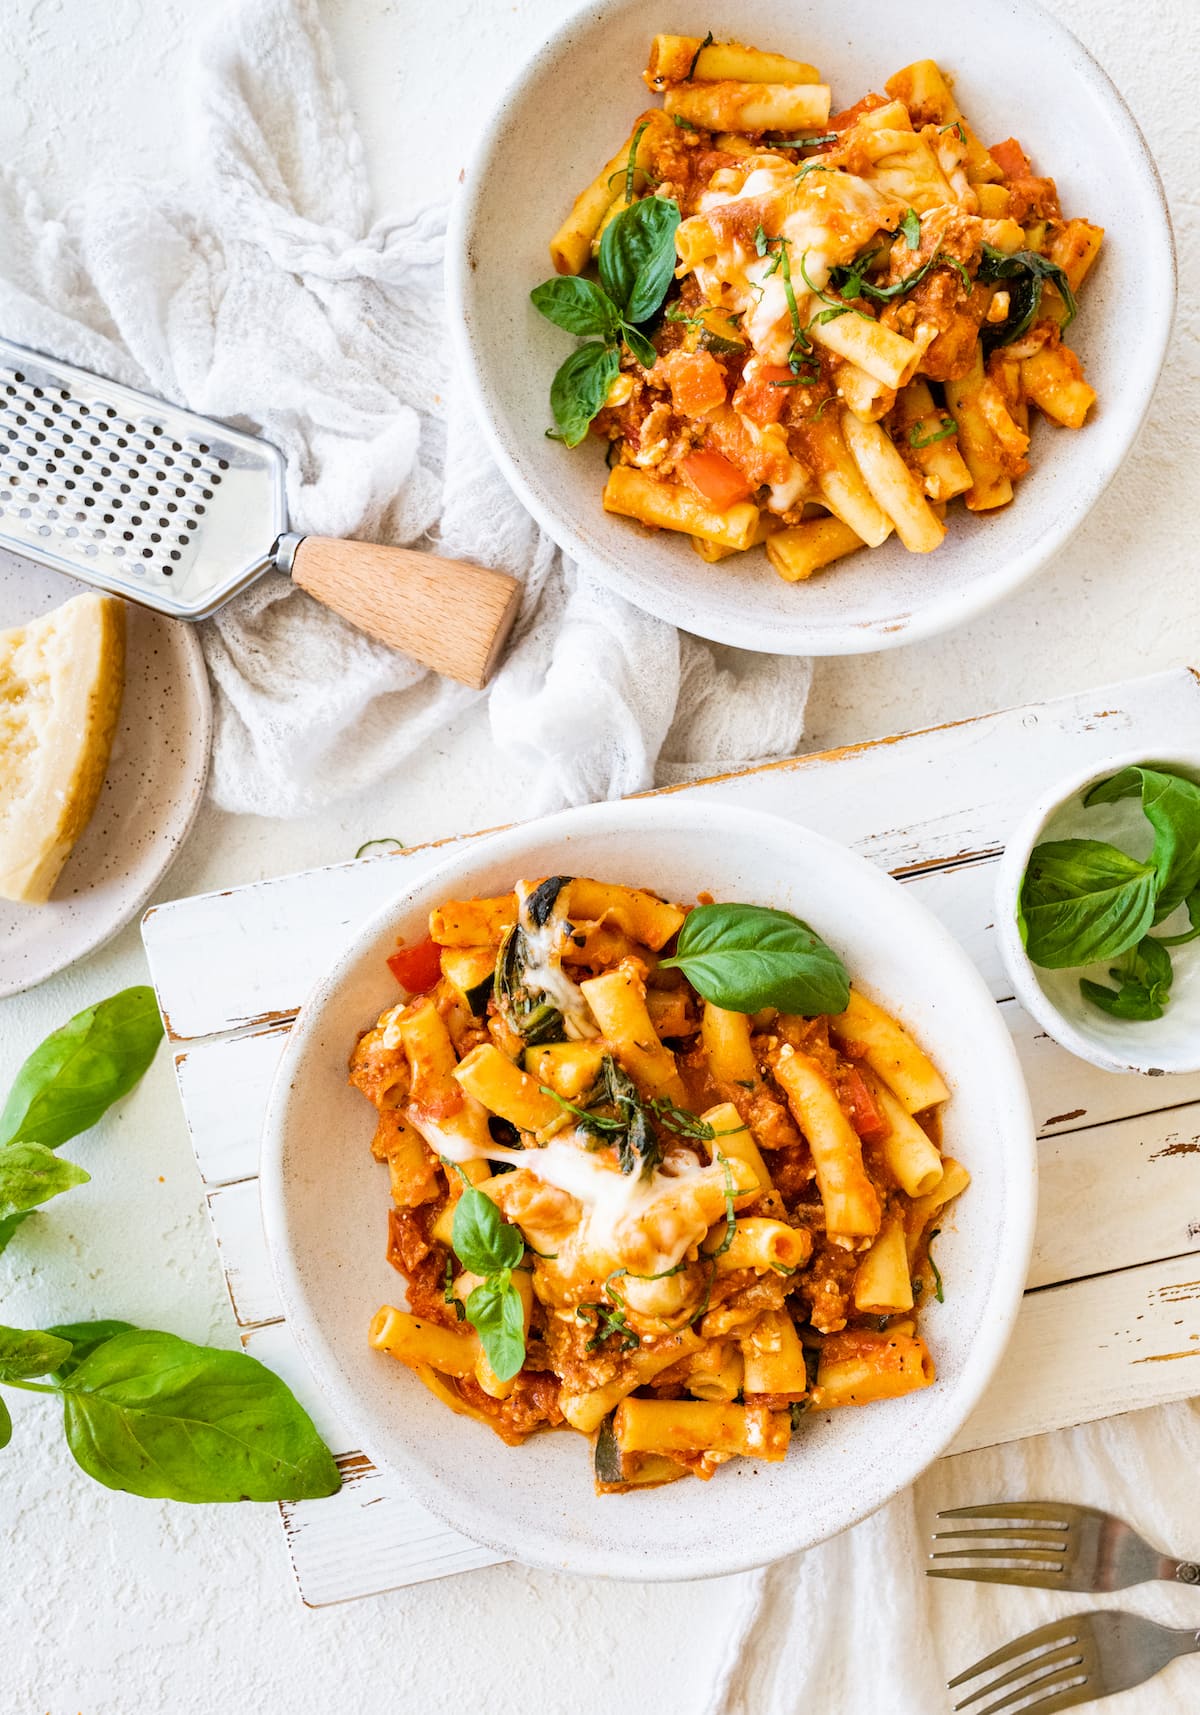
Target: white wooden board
[(1112, 1309)]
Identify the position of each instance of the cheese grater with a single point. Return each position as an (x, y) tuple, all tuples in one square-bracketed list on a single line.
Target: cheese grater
[(179, 513)]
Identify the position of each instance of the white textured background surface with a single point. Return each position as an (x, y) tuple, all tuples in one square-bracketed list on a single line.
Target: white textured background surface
[(113, 1605)]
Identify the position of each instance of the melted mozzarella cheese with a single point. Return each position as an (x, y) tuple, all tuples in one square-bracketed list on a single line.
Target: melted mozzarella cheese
[(826, 219), (543, 972), (648, 1220)]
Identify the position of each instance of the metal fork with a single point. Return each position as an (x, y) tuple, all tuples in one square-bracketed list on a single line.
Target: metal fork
[(1054, 1545), (1074, 1661)]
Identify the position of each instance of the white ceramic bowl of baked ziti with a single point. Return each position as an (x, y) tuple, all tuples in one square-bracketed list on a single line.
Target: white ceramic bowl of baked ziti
[(857, 405), (583, 1228)]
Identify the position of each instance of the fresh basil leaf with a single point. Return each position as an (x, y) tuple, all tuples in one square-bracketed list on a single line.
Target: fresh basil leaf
[(1192, 905), (744, 957), (84, 1338), (1028, 273), (1143, 980), (1083, 900), (637, 256), (577, 305), (5, 1426), (77, 1073), (1131, 1001), (157, 1416), (30, 1352), (483, 1240), (8, 1227), (495, 1311), (1171, 805), (31, 1174), (639, 345), (580, 388), (910, 226)]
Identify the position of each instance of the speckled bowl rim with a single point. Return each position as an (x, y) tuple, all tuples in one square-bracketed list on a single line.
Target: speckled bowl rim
[(788, 636), (542, 1546), (1026, 986)]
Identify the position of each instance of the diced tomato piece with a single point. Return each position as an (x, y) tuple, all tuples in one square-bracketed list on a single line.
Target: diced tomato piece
[(697, 382), (1011, 159), (763, 397), (865, 1114), (843, 121), (417, 968), (715, 479)]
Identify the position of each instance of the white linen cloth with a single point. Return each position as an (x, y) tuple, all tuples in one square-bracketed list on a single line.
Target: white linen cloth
[(855, 1628), (261, 294)]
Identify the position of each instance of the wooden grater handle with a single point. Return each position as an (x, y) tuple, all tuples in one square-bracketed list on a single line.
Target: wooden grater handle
[(452, 616)]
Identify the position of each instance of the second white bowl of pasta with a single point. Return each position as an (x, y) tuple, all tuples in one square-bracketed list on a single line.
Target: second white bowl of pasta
[(655, 1112), (815, 306)]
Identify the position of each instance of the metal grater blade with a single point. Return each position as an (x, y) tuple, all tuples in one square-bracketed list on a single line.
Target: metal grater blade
[(140, 498)]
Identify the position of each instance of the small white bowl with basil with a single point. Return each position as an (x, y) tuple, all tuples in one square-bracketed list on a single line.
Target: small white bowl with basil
[(1098, 912)]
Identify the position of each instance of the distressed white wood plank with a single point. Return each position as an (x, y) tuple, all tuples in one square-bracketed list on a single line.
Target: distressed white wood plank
[(369, 1538), (263, 958), (371, 1535), (1094, 1348), (1113, 1196), (1067, 1094), (245, 1260), (224, 1087), (918, 799)]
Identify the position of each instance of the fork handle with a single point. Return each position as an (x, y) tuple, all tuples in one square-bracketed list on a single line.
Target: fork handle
[(1179, 1571), (452, 616)]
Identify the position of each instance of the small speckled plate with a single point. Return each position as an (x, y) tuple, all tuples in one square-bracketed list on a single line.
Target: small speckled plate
[(150, 795)]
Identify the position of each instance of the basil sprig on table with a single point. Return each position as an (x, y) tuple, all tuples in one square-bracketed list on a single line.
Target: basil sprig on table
[(81, 1069), (636, 265), (156, 1416), (488, 1245), (746, 957), (63, 1088), (1086, 901), (144, 1412)]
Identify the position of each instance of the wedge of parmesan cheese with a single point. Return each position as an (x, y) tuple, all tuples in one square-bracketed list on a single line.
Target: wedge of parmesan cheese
[(61, 679)]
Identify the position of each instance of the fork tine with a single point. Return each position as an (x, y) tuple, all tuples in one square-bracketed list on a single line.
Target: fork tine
[(1060, 1510), (1076, 1692), (1047, 1580), (1023, 1533), (1057, 1632), (1048, 1663), (1046, 1556)]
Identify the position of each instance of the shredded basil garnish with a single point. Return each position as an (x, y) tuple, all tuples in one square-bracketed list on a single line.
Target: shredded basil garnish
[(631, 167), (780, 261), (916, 439), (706, 43), (836, 308), (938, 1291)]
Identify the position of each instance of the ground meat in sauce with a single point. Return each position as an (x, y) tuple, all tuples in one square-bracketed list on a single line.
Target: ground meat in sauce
[(422, 1261), (532, 1404)]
